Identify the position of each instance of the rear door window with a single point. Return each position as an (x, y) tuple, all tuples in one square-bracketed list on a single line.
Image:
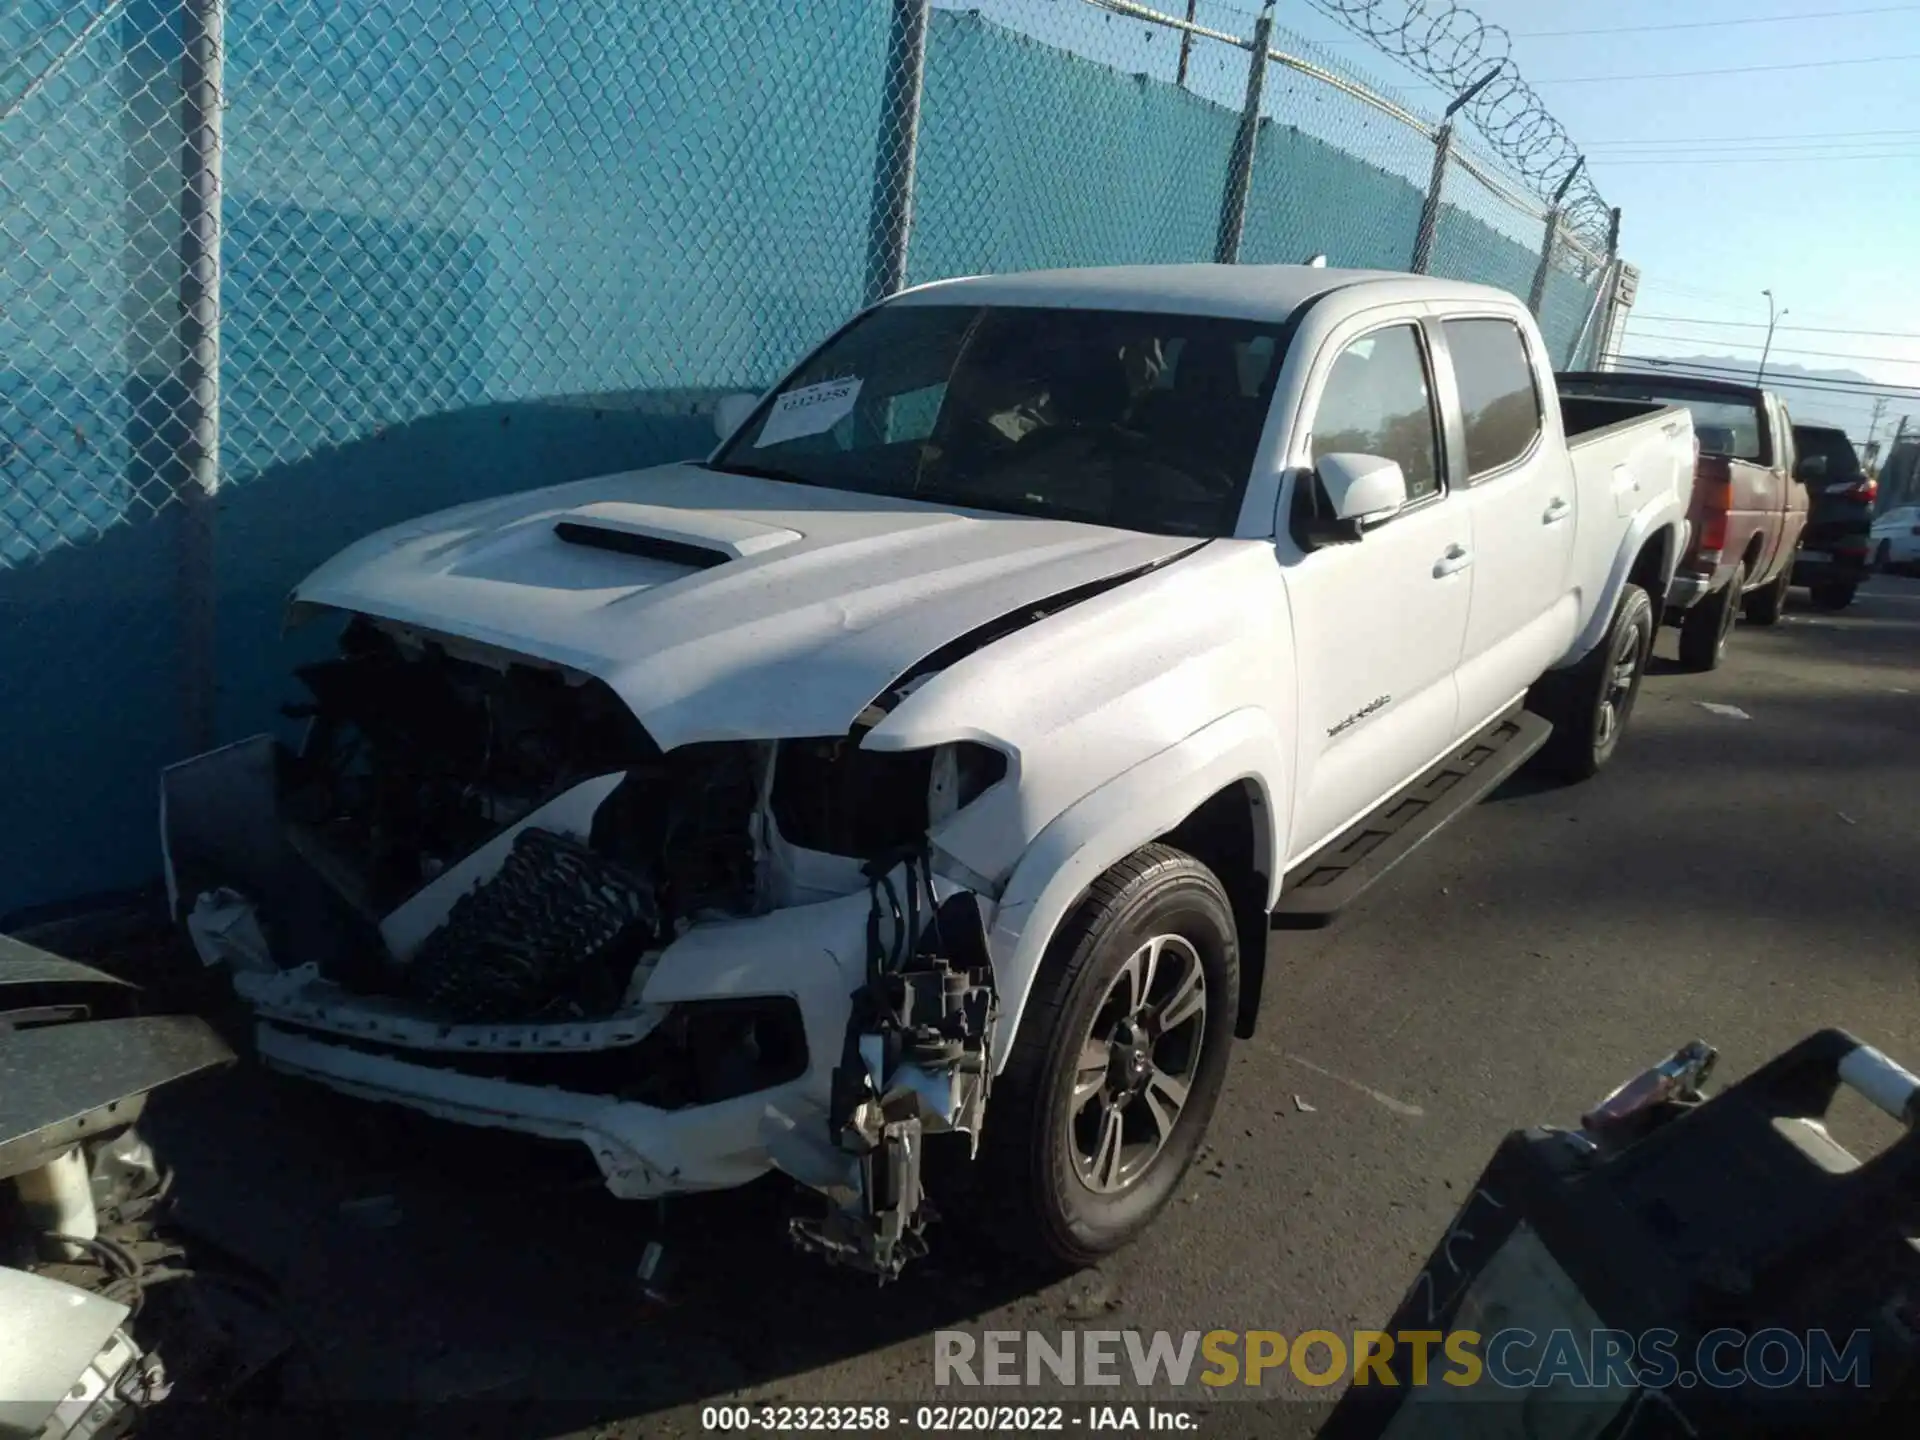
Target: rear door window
[(1499, 399)]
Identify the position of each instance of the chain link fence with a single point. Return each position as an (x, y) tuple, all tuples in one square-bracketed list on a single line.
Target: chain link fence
[(275, 273)]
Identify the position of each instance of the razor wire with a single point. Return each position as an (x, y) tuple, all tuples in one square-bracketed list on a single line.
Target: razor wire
[(1453, 47)]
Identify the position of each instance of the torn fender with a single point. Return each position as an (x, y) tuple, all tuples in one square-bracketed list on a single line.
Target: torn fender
[(1110, 824)]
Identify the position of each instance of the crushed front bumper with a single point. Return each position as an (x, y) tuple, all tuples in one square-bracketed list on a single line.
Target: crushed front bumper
[(810, 955), (642, 1151)]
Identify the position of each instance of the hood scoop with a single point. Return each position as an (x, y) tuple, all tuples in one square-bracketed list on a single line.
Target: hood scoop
[(700, 539)]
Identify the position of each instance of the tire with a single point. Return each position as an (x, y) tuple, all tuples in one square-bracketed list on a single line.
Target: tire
[(1589, 704), (1032, 1185), (1764, 607), (1883, 558), (1833, 595), (1703, 634)]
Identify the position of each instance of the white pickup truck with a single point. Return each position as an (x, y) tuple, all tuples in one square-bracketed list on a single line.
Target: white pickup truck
[(921, 775)]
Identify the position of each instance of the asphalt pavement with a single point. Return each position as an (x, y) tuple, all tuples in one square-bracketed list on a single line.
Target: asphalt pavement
[(1747, 871)]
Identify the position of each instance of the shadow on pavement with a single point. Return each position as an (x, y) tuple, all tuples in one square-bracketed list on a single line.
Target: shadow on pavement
[(454, 1281)]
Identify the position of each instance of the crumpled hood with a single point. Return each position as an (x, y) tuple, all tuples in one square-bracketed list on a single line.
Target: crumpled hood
[(722, 606)]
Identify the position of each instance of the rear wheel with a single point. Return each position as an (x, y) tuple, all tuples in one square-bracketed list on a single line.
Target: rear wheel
[(1763, 607), (1833, 595), (1119, 1058), (1703, 634), (1589, 705)]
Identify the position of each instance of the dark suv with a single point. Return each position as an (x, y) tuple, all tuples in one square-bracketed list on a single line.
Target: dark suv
[(1836, 548)]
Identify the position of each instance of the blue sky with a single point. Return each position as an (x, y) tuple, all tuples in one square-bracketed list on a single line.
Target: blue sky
[(1717, 206)]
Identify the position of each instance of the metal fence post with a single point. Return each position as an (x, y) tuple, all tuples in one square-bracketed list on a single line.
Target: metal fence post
[(197, 462), (1538, 297), (1233, 203), (892, 208), (1430, 213), (1601, 304), (1436, 186), (1607, 298)]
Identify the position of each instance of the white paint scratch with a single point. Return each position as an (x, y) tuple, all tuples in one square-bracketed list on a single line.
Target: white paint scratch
[(1732, 712), (1399, 1107)]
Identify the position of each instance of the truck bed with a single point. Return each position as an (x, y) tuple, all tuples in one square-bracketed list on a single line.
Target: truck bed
[(1588, 417), (1624, 453)]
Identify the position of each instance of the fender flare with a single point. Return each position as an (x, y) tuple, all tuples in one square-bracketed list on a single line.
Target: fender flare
[(1105, 826), (1643, 526)]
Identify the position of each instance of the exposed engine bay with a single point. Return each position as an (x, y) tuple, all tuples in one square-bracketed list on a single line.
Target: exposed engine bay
[(472, 866)]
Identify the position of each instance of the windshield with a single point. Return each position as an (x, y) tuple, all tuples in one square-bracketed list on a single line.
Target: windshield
[(1140, 421), (1724, 425)]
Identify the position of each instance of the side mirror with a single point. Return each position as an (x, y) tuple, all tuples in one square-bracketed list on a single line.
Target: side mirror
[(1358, 490), (1812, 468), (731, 413), (1362, 487)]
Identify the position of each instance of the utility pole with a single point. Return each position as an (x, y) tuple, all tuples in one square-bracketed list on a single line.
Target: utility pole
[(1873, 425), (1905, 479)]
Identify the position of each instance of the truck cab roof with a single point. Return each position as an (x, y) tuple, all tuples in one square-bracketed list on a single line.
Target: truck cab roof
[(1243, 292)]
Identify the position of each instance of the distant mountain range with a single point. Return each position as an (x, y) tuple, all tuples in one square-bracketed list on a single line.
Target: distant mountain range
[(1816, 403)]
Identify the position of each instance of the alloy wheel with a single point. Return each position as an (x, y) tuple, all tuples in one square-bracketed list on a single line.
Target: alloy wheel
[(1137, 1064)]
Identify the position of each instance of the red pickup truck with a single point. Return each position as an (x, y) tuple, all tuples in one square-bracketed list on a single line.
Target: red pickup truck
[(1749, 507)]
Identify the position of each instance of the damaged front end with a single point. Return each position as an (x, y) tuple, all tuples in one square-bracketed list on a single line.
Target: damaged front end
[(478, 888)]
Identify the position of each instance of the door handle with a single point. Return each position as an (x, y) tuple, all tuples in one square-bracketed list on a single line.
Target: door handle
[(1556, 512), (1456, 559)]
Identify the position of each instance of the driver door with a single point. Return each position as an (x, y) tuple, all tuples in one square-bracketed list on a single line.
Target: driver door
[(1379, 624)]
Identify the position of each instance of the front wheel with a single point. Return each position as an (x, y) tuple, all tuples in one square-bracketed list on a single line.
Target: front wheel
[(1703, 634), (1589, 705), (1119, 1059), (1883, 558)]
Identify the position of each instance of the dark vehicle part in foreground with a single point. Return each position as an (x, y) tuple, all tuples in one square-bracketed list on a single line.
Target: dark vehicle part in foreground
[(105, 1310), (1721, 1267), (1836, 551)]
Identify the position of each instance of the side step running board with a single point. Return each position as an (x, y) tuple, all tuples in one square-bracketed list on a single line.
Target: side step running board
[(1324, 885)]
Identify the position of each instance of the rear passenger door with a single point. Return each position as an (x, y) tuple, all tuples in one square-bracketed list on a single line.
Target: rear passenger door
[(1518, 489)]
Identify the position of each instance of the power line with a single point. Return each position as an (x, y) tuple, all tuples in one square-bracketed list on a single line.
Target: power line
[(1659, 284), (1780, 349), (1656, 149), (1821, 136), (1654, 366), (1716, 24), (1738, 159), (1826, 385), (1742, 367), (1731, 70), (1762, 325)]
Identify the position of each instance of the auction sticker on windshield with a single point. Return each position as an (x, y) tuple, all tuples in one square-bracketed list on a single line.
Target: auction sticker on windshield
[(810, 410)]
